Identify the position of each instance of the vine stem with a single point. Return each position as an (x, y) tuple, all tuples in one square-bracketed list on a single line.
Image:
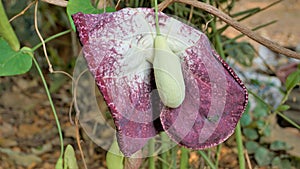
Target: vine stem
[(206, 159), (53, 108), (51, 38), (218, 153), (151, 154), (235, 24), (288, 119), (164, 146), (184, 158), (239, 141)]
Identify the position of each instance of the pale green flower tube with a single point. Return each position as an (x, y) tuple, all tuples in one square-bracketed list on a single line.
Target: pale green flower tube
[(168, 74)]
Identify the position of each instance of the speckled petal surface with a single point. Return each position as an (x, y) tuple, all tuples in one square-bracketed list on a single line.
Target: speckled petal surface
[(116, 54), (220, 102), (118, 47)]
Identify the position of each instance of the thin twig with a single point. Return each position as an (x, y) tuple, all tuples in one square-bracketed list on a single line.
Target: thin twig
[(164, 4), (44, 45), (77, 118), (79, 144), (101, 4), (74, 100), (22, 12), (247, 159), (70, 112), (206, 24), (75, 93), (118, 3), (40, 36), (191, 14), (248, 32), (61, 3)]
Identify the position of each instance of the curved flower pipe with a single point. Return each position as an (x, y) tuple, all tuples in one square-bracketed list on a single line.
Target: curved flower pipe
[(119, 51)]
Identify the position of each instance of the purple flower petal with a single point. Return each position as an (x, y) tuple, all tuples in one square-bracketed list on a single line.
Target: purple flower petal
[(211, 117), (118, 47)]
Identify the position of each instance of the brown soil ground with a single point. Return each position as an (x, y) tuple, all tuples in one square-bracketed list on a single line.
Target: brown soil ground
[(286, 31)]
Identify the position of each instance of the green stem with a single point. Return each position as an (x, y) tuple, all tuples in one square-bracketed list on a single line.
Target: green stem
[(141, 2), (53, 109), (206, 159), (288, 119), (218, 42), (151, 154), (184, 160), (277, 112), (261, 100), (174, 156), (239, 141), (51, 38), (156, 18), (136, 4), (6, 30), (219, 147), (164, 146)]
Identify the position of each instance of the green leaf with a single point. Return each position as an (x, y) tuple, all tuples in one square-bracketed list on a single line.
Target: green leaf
[(59, 164), (251, 146), (279, 145), (283, 107), (84, 6), (250, 133), (70, 161), (263, 156), (292, 80), (277, 162), (286, 164), (261, 123), (267, 130), (12, 62)]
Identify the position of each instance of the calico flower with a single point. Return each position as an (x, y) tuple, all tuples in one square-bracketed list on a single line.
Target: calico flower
[(119, 50)]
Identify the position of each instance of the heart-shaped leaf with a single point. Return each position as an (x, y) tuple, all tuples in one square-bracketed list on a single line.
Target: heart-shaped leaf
[(12, 62)]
